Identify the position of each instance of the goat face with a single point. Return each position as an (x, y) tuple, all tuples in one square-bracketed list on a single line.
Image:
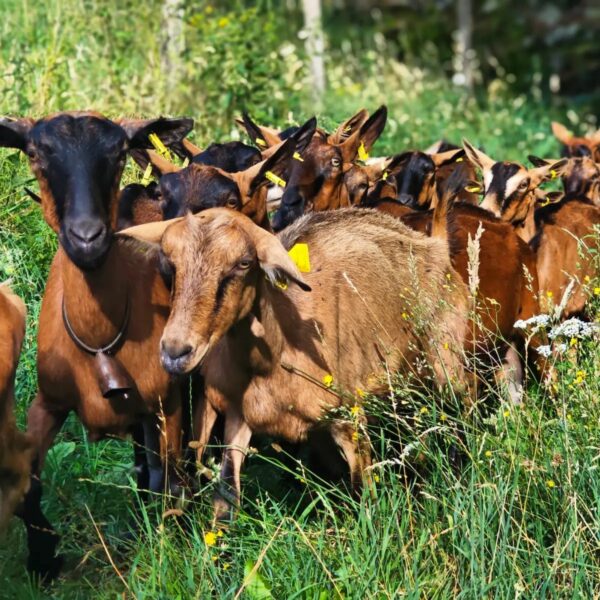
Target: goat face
[(510, 188), (229, 156), (577, 147), (78, 159), (196, 188), (581, 178)]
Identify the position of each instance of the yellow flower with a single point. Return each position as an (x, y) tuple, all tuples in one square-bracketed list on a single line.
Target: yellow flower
[(573, 342), (376, 478), (550, 483), (507, 413), (549, 294), (355, 411), (208, 9), (424, 410), (360, 393), (587, 278), (443, 417), (405, 316), (220, 533), (445, 345), (488, 454), (355, 436), (328, 380), (226, 566), (210, 538), (597, 291), (223, 22), (448, 276)]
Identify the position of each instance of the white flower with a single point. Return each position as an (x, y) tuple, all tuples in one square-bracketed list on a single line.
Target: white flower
[(544, 351)]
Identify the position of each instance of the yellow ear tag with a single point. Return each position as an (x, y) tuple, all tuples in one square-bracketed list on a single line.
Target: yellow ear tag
[(186, 162), (260, 142), (362, 152), (459, 159), (384, 176), (299, 254), (553, 174), (348, 128), (282, 285), (298, 157), (147, 174), (473, 189), (274, 179), (159, 146)]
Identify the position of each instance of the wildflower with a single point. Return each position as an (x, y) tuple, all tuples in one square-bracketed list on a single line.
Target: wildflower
[(210, 538), (544, 351), (506, 413), (223, 22), (488, 454), (355, 410), (579, 377), (360, 393), (550, 483), (405, 316), (220, 533), (355, 436), (573, 342), (597, 291), (536, 322), (376, 478), (226, 566), (549, 294), (328, 380), (424, 410), (445, 345), (587, 278), (443, 417)]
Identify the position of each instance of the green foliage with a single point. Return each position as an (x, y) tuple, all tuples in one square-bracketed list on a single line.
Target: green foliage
[(520, 518)]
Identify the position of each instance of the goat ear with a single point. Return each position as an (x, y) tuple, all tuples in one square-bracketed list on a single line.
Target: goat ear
[(561, 133), (536, 161), (348, 127), (477, 157), (160, 164), (366, 136), (168, 130), (445, 158), (262, 137), (550, 170), (273, 168), (273, 258), (305, 134), (15, 132), (149, 234), (434, 148)]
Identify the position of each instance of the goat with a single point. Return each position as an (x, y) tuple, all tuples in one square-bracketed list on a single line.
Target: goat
[(317, 182), (580, 177), (574, 146), (15, 447), (556, 233), (269, 351), (103, 309)]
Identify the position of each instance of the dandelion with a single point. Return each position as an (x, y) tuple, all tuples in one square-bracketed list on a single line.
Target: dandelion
[(488, 454), (355, 411), (210, 538), (550, 483), (328, 380)]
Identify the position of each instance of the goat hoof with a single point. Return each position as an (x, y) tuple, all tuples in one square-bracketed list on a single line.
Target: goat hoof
[(45, 568)]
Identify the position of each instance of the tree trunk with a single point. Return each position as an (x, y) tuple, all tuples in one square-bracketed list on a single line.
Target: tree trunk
[(173, 42), (464, 60), (315, 45)]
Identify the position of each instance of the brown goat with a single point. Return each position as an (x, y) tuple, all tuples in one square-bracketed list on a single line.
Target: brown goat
[(107, 297), (15, 447), (577, 146), (561, 234), (269, 351)]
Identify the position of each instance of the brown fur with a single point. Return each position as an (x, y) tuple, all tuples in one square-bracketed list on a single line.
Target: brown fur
[(15, 447), (572, 143), (379, 298)]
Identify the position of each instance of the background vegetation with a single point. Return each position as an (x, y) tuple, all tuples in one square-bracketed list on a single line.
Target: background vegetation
[(519, 519)]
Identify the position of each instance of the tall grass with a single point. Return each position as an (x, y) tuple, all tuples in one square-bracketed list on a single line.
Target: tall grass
[(518, 518)]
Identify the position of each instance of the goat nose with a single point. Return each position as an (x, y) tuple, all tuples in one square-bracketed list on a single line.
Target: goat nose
[(87, 231), (405, 199), (174, 349)]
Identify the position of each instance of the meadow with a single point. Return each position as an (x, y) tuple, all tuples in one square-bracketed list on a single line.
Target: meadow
[(519, 517)]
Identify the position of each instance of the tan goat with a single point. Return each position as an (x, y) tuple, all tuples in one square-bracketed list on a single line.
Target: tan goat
[(269, 350), (15, 447)]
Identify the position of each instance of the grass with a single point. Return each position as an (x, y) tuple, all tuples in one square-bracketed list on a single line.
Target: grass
[(519, 519)]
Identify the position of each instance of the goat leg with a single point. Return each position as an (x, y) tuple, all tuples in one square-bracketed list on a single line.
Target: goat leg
[(237, 440), (42, 540), (205, 417)]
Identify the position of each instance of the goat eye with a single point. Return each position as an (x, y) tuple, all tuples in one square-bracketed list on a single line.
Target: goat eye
[(231, 203), (244, 264), (523, 185), (335, 162)]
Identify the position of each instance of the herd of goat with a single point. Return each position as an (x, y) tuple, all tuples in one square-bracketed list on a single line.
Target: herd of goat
[(370, 273)]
